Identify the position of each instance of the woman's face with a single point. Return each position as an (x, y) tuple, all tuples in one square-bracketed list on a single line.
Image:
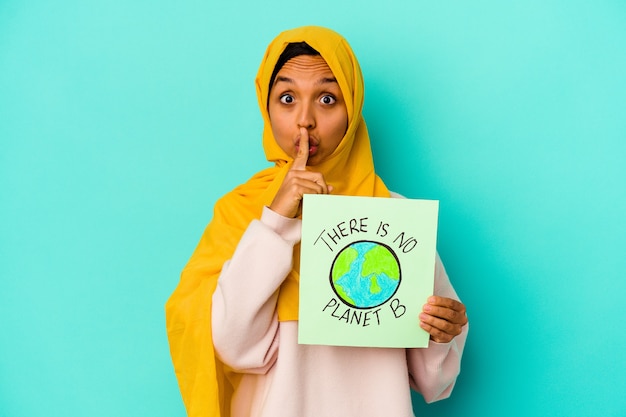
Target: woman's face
[(306, 94)]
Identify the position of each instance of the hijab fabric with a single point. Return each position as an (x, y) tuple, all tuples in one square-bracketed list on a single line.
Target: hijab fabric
[(206, 383)]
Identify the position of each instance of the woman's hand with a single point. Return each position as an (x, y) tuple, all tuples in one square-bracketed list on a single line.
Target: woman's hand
[(298, 181), (443, 318)]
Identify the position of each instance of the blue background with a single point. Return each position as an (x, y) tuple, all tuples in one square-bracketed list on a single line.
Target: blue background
[(122, 121)]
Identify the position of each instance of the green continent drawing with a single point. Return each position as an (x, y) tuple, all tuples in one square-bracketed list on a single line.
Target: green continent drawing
[(365, 274)]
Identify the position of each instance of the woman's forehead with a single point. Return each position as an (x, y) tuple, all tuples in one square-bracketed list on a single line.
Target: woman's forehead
[(306, 64)]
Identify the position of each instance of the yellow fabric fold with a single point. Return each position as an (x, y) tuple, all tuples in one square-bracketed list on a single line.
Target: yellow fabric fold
[(206, 384)]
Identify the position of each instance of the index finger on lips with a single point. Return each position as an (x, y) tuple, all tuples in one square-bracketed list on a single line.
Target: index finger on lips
[(299, 162)]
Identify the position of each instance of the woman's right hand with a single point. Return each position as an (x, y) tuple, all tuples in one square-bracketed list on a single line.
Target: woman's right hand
[(298, 181)]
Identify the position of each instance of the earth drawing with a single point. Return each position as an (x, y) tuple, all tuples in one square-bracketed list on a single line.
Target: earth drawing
[(365, 274)]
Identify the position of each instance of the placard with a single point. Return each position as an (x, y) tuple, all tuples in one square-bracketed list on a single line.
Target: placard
[(366, 269)]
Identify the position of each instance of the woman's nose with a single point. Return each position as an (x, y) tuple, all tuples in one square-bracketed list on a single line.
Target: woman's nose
[(306, 117)]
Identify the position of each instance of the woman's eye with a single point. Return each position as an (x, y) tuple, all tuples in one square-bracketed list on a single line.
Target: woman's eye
[(286, 99), (328, 100)]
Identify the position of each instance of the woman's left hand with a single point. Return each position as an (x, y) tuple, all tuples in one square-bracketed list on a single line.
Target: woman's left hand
[(443, 318)]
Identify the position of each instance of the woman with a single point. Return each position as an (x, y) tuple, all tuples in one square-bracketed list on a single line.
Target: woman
[(232, 321)]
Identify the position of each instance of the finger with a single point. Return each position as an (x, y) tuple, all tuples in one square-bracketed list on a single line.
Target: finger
[(303, 186), (440, 330), (447, 303), (299, 162), (309, 179), (437, 334), (445, 313), (443, 325), (319, 181)]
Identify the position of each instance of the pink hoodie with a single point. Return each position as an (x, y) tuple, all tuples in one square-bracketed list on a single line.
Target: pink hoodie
[(283, 378)]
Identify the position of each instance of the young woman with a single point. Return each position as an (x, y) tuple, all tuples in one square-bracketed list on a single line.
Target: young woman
[(233, 320)]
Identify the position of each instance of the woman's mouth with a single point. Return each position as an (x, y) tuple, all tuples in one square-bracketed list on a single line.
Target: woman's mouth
[(312, 148)]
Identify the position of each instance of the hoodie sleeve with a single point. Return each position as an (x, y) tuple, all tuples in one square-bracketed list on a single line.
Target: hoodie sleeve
[(244, 319)]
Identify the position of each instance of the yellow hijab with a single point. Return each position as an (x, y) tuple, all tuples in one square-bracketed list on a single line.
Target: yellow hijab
[(206, 383)]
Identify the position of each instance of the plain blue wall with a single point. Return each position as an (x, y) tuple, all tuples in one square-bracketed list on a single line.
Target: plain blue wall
[(121, 123)]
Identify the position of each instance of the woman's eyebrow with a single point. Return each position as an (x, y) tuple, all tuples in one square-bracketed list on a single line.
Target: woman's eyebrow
[(284, 80), (327, 80)]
